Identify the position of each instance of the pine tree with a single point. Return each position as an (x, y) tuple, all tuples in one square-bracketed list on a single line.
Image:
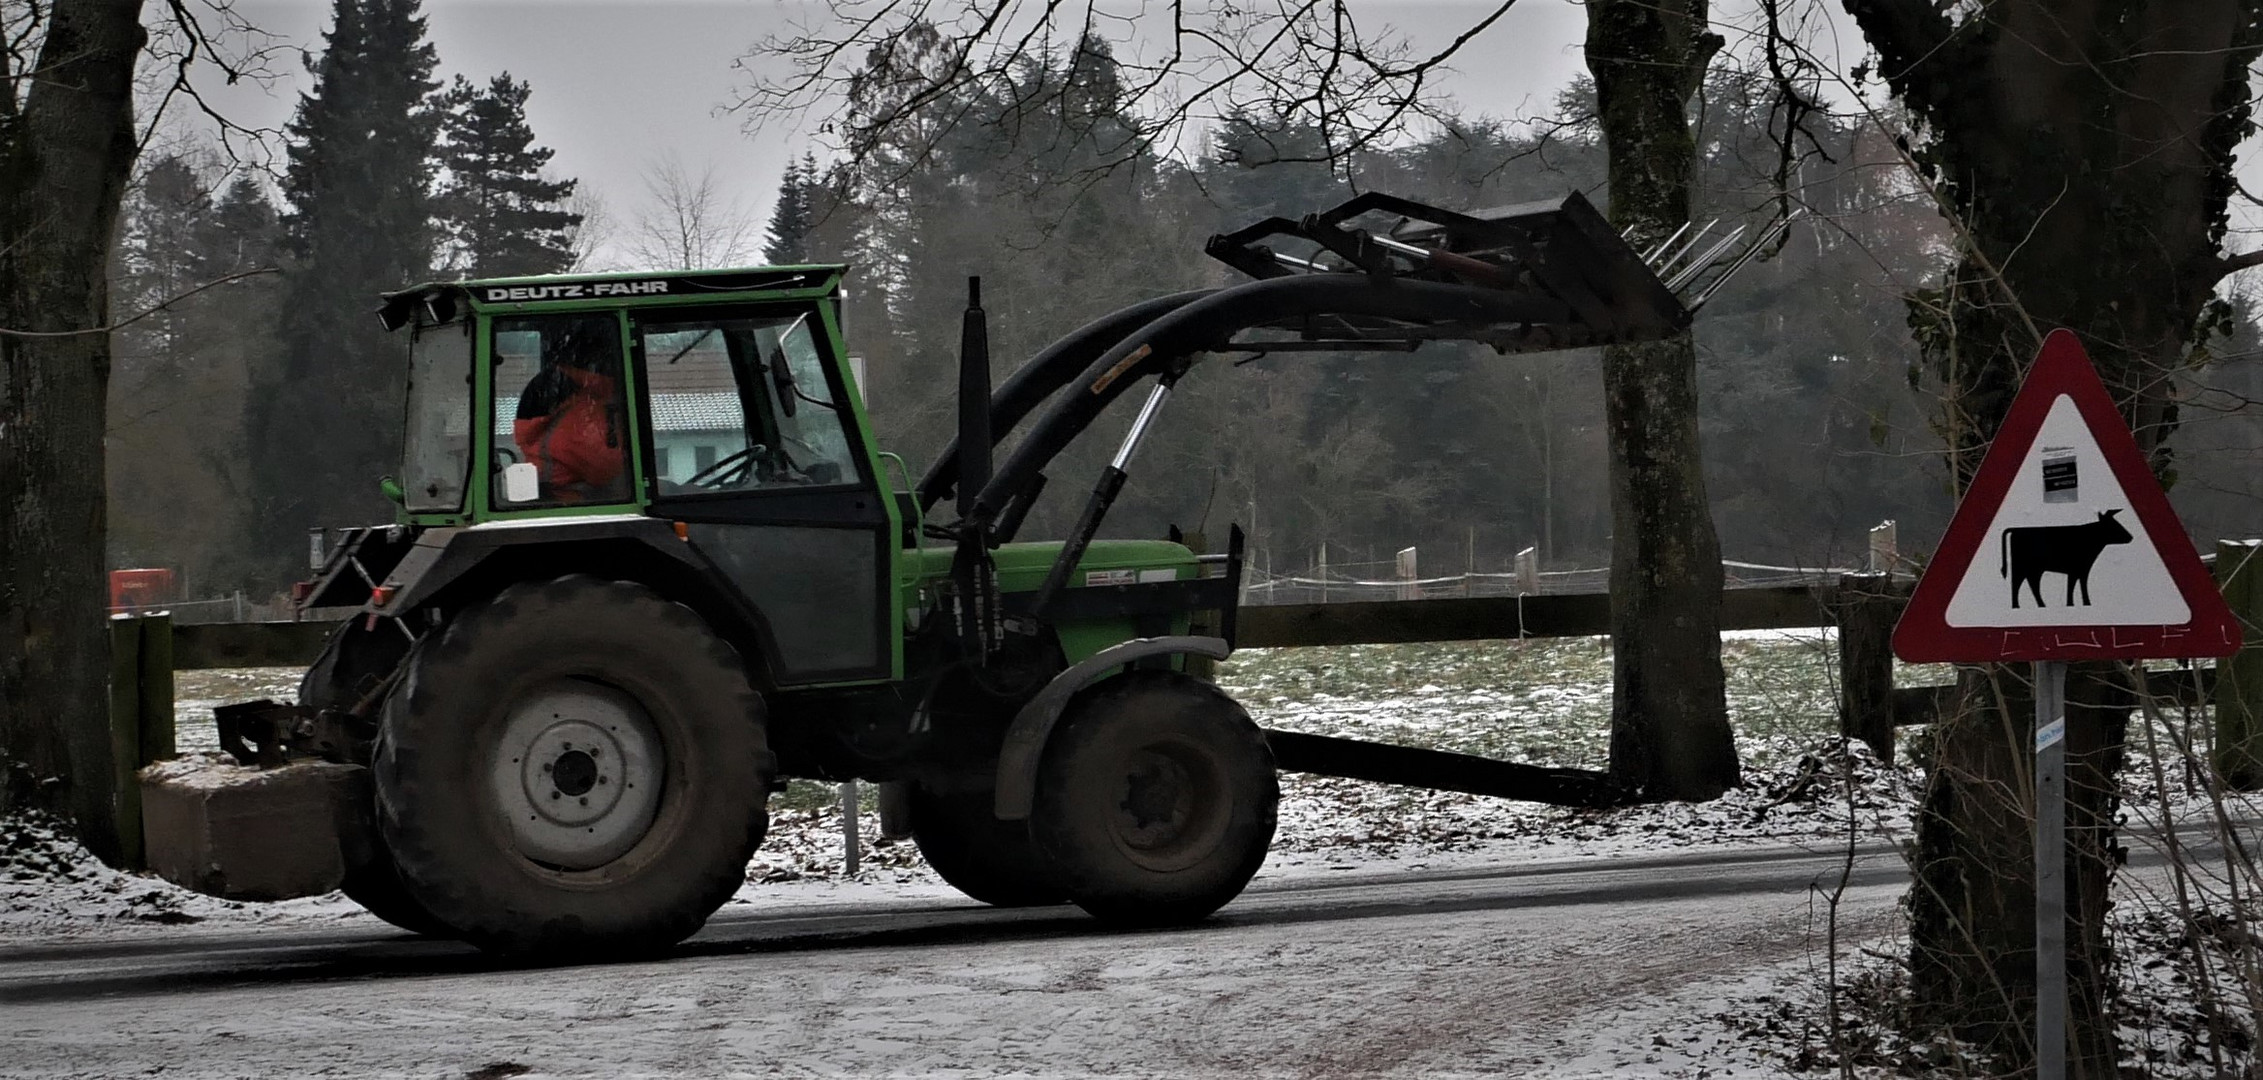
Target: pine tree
[(240, 232), (178, 390), (324, 425), (171, 204), (498, 216), (154, 366), (787, 242)]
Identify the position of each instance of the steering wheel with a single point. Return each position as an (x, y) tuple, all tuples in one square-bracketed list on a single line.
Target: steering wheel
[(715, 475)]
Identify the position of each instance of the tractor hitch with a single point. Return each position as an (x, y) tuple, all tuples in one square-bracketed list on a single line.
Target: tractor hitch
[(268, 733)]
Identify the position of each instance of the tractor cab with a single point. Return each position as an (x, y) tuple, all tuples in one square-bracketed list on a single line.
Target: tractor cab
[(611, 393), (717, 405)]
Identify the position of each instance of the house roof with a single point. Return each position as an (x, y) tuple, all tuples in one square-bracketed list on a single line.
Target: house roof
[(670, 412)]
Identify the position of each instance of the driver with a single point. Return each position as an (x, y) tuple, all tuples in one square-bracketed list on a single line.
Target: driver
[(569, 416)]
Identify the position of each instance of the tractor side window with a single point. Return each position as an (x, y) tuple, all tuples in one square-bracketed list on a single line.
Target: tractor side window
[(820, 430), (742, 404), (560, 407), (436, 445)]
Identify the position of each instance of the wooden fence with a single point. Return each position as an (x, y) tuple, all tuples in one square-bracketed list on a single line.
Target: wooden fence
[(1862, 606)]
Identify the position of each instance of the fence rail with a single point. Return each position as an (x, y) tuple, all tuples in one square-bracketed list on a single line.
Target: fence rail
[(1488, 618), (1265, 589)]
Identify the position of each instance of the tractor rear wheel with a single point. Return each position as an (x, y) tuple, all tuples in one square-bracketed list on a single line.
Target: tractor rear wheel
[(576, 769), (990, 860), (353, 663), (375, 883), (1156, 799)]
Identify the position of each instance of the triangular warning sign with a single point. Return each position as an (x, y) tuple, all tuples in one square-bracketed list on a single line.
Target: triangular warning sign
[(2064, 548)]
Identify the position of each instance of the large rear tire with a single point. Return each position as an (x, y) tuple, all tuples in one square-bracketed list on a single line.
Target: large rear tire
[(990, 860), (354, 662), (375, 883), (576, 770), (1156, 800)]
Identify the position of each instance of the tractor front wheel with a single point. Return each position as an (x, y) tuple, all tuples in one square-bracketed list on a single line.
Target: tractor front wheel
[(575, 770), (1156, 799)]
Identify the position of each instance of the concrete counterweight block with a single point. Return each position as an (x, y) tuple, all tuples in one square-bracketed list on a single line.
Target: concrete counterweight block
[(244, 833)]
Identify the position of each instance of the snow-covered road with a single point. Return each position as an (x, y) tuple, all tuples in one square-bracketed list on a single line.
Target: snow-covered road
[(1555, 969)]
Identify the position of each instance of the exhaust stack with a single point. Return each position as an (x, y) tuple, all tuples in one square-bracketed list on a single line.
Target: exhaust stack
[(974, 399)]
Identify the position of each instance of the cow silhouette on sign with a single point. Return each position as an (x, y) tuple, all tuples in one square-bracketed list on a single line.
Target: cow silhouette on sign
[(2027, 554)]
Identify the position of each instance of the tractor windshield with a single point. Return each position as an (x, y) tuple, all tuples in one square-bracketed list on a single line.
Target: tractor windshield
[(743, 403), (436, 443)]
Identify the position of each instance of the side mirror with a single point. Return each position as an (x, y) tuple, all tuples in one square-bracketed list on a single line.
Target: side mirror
[(520, 483), (782, 381)]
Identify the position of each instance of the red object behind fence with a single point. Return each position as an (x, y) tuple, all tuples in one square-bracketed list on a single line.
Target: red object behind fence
[(135, 589)]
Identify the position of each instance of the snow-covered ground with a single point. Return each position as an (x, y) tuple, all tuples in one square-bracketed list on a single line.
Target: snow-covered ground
[(1393, 932)]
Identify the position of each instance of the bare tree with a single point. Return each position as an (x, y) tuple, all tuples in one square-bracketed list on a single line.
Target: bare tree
[(68, 141), (690, 222), (1300, 62), (2084, 154), (593, 233), (1670, 733)]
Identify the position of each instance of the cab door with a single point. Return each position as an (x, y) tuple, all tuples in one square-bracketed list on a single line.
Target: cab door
[(752, 440)]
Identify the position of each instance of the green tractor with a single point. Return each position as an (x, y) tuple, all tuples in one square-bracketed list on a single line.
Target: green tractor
[(649, 562)]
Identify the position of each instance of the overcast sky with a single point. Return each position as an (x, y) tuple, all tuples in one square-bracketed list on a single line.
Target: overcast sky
[(618, 83)]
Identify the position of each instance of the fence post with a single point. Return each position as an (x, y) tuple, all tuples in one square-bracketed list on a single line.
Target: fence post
[(122, 792), (1201, 623), (1882, 548), (1866, 610), (852, 842), (1408, 590), (1528, 571), (156, 690), (1469, 576), (2239, 677), (140, 720)]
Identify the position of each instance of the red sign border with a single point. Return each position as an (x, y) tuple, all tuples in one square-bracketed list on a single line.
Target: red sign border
[(1924, 635)]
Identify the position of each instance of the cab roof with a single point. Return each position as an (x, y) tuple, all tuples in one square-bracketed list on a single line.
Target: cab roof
[(442, 301)]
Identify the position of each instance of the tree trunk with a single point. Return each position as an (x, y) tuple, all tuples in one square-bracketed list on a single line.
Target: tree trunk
[(1972, 908), (1670, 735), (2085, 151), (64, 159)]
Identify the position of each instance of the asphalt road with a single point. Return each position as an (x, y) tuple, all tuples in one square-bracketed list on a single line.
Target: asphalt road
[(1504, 971)]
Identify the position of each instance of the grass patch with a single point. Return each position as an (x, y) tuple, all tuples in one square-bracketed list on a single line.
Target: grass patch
[(1544, 701)]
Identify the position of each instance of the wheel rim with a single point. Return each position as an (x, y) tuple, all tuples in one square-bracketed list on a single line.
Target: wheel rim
[(577, 774), (1169, 807)]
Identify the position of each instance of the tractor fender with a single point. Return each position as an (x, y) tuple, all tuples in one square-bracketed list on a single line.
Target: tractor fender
[(444, 558), (1033, 725), (442, 555)]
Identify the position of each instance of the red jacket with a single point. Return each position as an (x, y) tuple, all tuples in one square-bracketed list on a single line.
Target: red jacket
[(567, 427)]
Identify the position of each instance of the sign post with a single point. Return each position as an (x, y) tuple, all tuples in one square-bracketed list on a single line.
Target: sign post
[(2064, 497), (2051, 868)]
